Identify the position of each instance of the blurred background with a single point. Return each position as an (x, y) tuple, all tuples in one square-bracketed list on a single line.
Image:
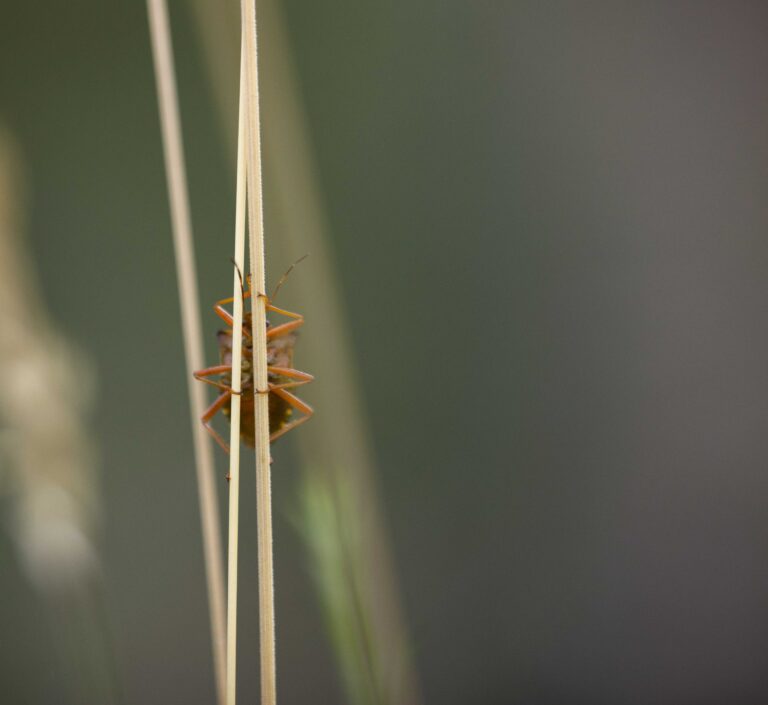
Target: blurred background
[(546, 224)]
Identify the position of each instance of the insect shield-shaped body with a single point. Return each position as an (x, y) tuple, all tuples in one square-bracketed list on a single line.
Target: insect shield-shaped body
[(281, 377)]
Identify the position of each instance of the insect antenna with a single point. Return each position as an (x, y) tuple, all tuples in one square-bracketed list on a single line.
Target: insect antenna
[(240, 277), (285, 276)]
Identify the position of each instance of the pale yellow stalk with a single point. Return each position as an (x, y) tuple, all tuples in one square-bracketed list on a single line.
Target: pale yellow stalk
[(259, 319), (234, 433), (190, 318)]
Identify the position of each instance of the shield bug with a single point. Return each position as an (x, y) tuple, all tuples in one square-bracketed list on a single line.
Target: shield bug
[(281, 375)]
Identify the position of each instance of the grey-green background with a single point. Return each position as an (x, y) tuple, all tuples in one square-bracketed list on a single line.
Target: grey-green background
[(549, 223)]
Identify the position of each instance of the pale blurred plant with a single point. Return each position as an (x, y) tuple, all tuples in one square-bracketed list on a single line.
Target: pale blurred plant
[(47, 458), (45, 392)]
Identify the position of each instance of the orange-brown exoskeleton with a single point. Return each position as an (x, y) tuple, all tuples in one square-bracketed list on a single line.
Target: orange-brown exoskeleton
[(281, 374)]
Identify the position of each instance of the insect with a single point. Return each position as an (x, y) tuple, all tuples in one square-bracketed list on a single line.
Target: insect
[(281, 375)]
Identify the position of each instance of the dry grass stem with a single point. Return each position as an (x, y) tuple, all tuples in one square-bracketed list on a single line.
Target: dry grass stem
[(234, 436), (190, 317), (259, 320), (261, 408)]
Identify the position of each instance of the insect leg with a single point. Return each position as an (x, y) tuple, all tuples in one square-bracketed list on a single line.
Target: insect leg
[(296, 403), (283, 328), (283, 312), (216, 370), (296, 375), (226, 316), (210, 412)]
